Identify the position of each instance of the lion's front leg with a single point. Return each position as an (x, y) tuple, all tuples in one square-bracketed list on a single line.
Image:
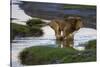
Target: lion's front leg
[(68, 40)]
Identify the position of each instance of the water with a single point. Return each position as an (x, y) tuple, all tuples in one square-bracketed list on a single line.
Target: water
[(18, 13), (82, 36)]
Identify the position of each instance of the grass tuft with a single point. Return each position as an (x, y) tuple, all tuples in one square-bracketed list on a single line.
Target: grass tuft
[(39, 55)]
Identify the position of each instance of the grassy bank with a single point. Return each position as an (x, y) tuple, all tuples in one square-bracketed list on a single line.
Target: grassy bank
[(78, 7), (39, 55), (32, 28), (91, 44), (35, 23), (18, 30)]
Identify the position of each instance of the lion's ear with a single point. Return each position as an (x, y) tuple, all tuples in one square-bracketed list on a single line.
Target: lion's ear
[(79, 23), (53, 24)]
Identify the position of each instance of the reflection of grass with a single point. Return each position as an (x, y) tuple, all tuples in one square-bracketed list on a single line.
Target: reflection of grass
[(79, 7), (48, 55)]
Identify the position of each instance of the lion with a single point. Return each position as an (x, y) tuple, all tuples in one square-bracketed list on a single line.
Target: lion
[(64, 29)]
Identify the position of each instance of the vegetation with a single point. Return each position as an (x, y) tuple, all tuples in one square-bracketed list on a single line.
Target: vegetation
[(35, 31), (81, 56), (35, 22), (18, 30), (48, 55), (32, 28), (91, 44), (78, 7)]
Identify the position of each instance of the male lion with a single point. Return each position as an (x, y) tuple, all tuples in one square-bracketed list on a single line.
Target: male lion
[(64, 28)]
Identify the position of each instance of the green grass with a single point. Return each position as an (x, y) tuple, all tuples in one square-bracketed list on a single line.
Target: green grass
[(82, 56), (24, 31), (35, 23), (18, 30), (39, 55), (91, 44), (78, 7), (35, 31), (32, 28)]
